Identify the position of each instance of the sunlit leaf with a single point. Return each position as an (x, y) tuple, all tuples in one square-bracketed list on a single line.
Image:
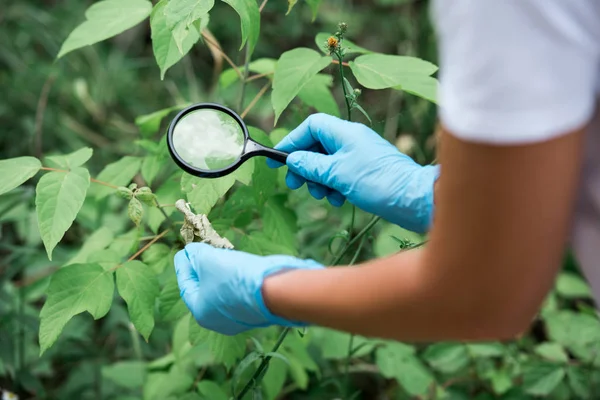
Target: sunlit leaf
[(59, 197), (118, 173), (73, 290), (106, 19), (250, 20), (15, 171), (75, 159)]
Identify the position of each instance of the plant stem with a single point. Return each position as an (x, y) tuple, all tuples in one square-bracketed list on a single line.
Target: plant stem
[(358, 236), (143, 249), (255, 99), (346, 94), (263, 365), (217, 47), (244, 77), (110, 185)]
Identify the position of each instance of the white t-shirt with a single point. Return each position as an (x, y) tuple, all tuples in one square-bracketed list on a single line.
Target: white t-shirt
[(526, 71)]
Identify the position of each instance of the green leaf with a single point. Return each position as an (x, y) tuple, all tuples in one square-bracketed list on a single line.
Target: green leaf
[(158, 257), (244, 173), (334, 344), (398, 363), (250, 20), (126, 374), (73, 290), (279, 222), (501, 381), (15, 171), (106, 19), (291, 4), (211, 390), (75, 159), (540, 379), (161, 385), (263, 181), (151, 166), (579, 381), (186, 12), (138, 286), (580, 333), (317, 94), (149, 124), (570, 286), (314, 7), (166, 51), (295, 68), (447, 357), (242, 366), (352, 48), (492, 349), (425, 87), (168, 193), (119, 173), (135, 210), (260, 244), (59, 197), (225, 349), (203, 193), (363, 112), (382, 71), (552, 352), (97, 241), (170, 305)]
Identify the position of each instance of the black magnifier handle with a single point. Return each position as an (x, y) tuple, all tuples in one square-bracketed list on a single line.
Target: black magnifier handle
[(256, 149)]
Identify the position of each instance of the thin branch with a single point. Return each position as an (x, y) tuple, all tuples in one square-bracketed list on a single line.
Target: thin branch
[(39, 113), (264, 3), (244, 77), (254, 77), (345, 64), (255, 99), (110, 185), (143, 249), (218, 48)]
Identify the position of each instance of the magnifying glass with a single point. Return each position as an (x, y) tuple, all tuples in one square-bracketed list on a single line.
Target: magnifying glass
[(209, 141)]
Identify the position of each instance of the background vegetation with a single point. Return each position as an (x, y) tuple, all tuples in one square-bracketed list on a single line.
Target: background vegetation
[(103, 97)]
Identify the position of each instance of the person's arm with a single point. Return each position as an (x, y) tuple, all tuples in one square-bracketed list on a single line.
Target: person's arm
[(501, 223)]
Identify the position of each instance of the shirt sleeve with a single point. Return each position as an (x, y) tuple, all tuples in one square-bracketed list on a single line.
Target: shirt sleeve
[(517, 71)]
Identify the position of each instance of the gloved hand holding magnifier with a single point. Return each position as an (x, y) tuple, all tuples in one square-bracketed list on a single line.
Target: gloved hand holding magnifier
[(209, 141)]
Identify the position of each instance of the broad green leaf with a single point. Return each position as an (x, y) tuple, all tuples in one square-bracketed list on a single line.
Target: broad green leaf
[(149, 124), (259, 243), (186, 12), (170, 305), (242, 366), (138, 286), (580, 333), (552, 352), (166, 51), (334, 344), (317, 94), (579, 381), (264, 180), (492, 349), (106, 19), (203, 193), (425, 87), (168, 193), (570, 285), (107, 259), (398, 363), (75, 159), (314, 7), (97, 241), (211, 390), (540, 379), (15, 171), (244, 173), (501, 381), (126, 374), (352, 48), (447, 357), (151, 166), (382, 71), (168, 385), (250, 20), (59, 197), (119, 173), (274, 378), (73, 290), (135, 210), (225, 349), (126, 243), (279, 222), (295, 68)]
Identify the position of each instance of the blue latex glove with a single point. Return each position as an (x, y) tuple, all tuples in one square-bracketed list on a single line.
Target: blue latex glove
[(347, 160), (223, 288)]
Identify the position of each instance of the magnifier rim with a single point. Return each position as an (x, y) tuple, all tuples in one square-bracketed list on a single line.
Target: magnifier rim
[(198, 171)]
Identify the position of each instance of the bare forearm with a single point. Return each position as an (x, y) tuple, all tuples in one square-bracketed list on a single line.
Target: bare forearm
[(386, 298)]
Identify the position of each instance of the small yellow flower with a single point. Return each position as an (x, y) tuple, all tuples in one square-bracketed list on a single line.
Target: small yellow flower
[(332, 42)]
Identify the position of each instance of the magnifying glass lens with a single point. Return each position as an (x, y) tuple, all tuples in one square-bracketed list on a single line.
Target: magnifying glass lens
[(208, 139)]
